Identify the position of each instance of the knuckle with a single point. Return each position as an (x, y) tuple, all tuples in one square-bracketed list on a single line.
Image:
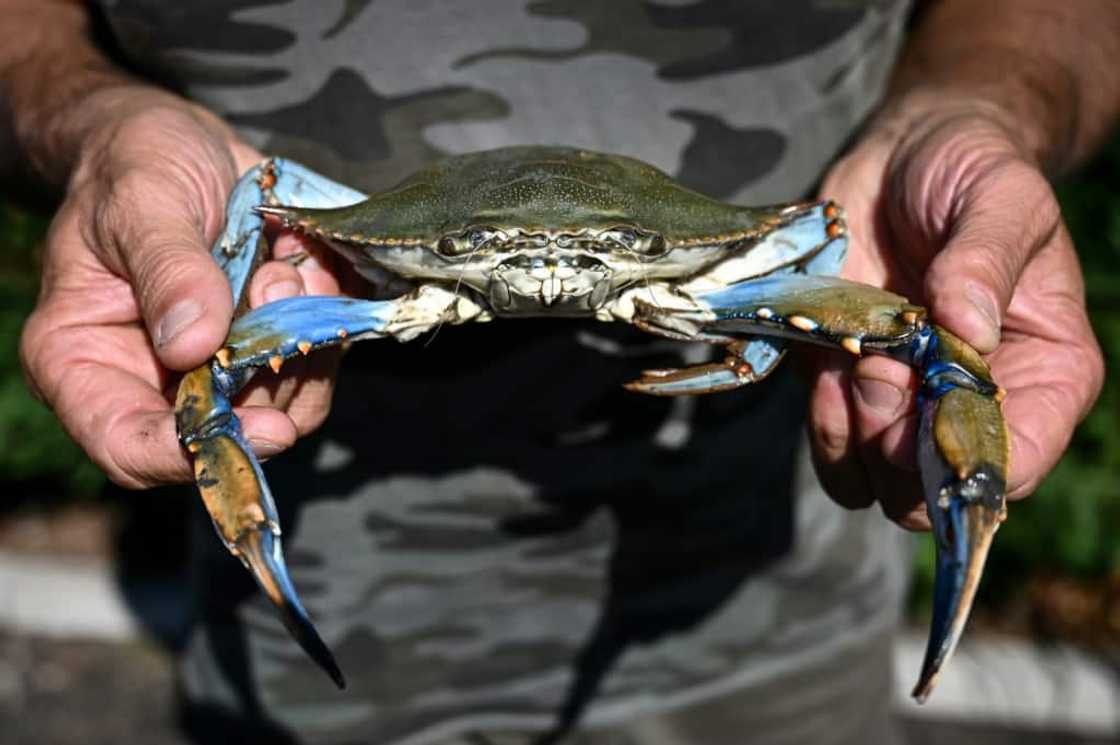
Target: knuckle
[(34, 346), (311, 406), (1088, 360), (48, 356), (830, 431), (310, 418)]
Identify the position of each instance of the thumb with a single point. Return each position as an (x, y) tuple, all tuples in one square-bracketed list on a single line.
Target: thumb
[(183, 295), (1001, 219), (184, 298)]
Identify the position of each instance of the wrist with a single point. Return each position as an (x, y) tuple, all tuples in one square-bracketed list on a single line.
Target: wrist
[(1044, 69), (90, 133), (1018, 124), (981, 127), (62, 93)]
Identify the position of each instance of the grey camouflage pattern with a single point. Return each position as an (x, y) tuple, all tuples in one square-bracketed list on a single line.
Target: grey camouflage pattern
[(530, 547)]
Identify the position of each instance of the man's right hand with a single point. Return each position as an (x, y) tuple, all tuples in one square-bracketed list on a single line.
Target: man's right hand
[(130, 294)]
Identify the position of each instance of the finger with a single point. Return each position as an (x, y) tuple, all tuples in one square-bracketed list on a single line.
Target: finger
[(885, 419), (1050, 363), (274, 281), (183, 296), (1004, 217), (305, 386), (303, 390), (141, 448), (317, 265), (883, 402), (832, 432), (1045, 400)]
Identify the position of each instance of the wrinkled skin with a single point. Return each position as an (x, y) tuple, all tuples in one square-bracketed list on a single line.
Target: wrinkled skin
[(130, 294), (130, 244), (954, 215)]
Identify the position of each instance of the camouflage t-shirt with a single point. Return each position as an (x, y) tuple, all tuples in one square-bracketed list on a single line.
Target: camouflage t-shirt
[(489, 532)]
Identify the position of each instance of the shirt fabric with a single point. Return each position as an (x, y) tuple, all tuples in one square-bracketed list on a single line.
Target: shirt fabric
[(495, 539)]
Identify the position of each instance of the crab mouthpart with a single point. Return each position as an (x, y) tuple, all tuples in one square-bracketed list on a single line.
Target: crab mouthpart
[(573, 285)]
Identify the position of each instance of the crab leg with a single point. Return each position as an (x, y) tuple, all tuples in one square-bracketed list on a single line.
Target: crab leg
[(962, 444), (807, 238), (746, 362), (228, 475), (239, 249)]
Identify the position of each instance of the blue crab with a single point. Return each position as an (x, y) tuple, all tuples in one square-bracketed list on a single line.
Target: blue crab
[(550, 231)]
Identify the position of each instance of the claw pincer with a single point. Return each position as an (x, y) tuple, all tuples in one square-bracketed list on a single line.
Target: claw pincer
[(963, 455), (236, 495), (963, 444)]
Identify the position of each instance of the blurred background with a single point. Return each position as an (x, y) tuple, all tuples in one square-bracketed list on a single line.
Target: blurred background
[(93, 590)]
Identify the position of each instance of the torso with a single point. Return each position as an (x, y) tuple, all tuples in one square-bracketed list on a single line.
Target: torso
[(489, 531)]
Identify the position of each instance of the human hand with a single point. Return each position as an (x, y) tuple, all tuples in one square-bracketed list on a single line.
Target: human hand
[(130, 294), (946, 207)]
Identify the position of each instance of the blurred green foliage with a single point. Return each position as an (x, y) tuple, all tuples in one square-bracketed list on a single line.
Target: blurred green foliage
[(1070, 527), (33, 448)]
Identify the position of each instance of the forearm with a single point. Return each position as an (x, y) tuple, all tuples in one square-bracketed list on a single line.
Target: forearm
[(58, 88), (1048, 68), (48, 68)]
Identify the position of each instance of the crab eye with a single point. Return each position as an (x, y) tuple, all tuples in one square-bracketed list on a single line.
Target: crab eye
[(656, 246), (447, 246)]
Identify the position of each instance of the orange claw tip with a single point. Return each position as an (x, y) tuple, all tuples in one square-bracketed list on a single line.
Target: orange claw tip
[(267, 178), (304, 347), (224, 355), (803, 323), (275, 362), (852, 344)]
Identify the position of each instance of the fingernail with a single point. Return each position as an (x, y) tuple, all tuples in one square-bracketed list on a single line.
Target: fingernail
[(282, 289), (983, 305), (879, 395), (176, 320), (264, 448)]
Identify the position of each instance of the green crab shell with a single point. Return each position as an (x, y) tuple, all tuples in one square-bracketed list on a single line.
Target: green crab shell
[(534, 188)]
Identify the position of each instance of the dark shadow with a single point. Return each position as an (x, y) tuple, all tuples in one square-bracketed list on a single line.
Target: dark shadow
[(151, 542), (691, 525)]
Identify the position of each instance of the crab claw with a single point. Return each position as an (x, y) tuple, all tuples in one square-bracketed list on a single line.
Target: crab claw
[(962, 456), (963, 529), (236, 495), (259, 549)]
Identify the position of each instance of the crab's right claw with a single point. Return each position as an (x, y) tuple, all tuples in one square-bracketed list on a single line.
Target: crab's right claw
[(963, 457), (236, 495), (259, 549)]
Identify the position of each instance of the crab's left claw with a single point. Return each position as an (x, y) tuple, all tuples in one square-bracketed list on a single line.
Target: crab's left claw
[(962, 443), (963, 456), (964, 529)]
